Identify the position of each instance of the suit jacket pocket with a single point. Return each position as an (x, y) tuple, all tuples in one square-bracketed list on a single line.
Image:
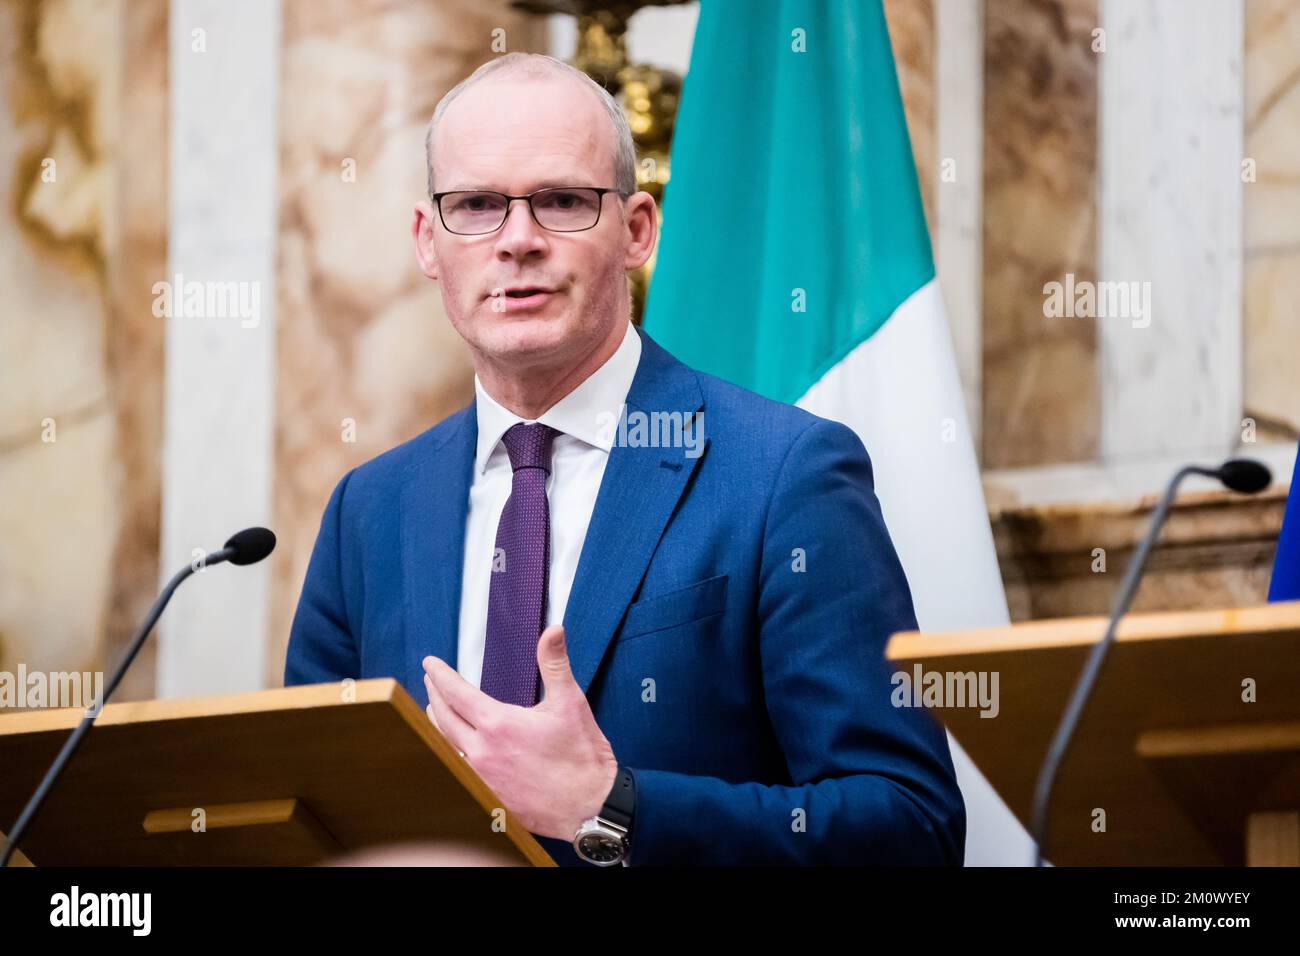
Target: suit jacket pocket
[(679, 606)]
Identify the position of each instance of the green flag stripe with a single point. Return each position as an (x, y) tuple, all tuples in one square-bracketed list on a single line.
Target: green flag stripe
[(792, 187)]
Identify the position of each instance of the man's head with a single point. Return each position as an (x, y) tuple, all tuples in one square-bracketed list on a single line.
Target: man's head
[(518, 124)]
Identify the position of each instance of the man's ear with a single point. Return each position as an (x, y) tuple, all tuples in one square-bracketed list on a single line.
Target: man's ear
[(422, 226), (643, 228)]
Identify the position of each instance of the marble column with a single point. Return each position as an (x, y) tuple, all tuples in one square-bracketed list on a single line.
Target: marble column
[(1040, 149), (1170, 207), (220, 350), (959, 212), (1271, 219)]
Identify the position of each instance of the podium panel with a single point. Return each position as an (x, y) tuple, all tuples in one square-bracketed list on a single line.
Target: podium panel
[(281, 777), (1187, 754)]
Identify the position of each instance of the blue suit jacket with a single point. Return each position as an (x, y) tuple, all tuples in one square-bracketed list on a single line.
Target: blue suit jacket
[(727, 622)]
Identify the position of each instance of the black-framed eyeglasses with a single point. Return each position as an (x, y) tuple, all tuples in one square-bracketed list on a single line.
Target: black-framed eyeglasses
[(474, 212)]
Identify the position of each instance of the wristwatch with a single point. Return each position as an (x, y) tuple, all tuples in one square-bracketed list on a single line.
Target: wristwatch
[(603, 840)]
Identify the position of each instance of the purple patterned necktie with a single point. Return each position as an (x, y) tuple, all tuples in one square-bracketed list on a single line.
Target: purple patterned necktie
[(520, 567)]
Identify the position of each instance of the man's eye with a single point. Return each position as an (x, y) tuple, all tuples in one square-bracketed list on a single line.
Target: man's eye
[(477, 203), (563, 200)]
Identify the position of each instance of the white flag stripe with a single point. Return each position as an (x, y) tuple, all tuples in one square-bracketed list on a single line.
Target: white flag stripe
[(900, 391)]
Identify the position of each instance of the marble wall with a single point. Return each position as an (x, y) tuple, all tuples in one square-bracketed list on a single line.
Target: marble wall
[(912, 38), (1170, 214), (1271, 218), (1191, 108), (1040, 375), (1044, 393), (83, 192)]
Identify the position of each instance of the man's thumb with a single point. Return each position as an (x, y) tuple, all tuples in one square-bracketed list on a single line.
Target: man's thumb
[(553, 658)]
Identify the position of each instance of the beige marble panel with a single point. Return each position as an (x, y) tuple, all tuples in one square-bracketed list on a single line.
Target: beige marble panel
[(138, 191), (362, 338), (1040, 374), (1271, 218), (82, 191), (911, 35)]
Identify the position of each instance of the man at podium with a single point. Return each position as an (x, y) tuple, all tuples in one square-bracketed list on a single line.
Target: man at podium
[(648, 606)]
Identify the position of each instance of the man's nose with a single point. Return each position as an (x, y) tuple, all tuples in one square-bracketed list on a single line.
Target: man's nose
[(520, 235)]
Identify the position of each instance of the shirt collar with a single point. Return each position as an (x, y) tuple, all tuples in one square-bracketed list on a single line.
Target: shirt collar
[(587, 413)]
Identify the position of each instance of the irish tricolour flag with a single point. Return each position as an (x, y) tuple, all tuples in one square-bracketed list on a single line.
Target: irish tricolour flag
[(795, 261)]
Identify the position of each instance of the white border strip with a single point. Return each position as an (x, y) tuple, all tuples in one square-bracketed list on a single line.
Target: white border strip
[(1169, 211), (219, 420), (959, 245)]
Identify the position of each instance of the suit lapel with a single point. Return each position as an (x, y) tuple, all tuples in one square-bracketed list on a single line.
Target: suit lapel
[(638, 494), (434, 505)]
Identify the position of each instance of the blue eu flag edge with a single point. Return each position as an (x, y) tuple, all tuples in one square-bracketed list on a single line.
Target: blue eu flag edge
[(1286, 565)]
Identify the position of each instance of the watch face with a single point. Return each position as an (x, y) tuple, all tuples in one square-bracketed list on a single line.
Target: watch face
[(600, 848)]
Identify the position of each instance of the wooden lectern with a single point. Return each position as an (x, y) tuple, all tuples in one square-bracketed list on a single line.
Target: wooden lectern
[(281, 777), (1190, 745)]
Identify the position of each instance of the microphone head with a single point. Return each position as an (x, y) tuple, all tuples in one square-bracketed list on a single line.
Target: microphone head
[(1244, 475), (251, 545)]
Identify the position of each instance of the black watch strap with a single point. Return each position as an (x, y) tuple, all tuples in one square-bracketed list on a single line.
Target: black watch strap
[(621, 802)]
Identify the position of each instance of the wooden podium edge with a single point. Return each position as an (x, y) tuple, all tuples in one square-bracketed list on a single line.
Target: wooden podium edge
[(303, 697), (1084, 631), (1271, 835)]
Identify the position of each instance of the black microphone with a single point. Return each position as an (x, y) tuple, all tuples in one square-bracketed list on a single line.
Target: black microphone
[(1237, 474), (1244, 475), (246, 547)]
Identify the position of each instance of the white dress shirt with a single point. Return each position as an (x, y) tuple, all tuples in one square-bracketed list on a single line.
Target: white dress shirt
[(578, 458)]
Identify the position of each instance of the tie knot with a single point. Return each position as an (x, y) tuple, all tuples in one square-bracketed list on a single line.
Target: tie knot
[(529, 446)]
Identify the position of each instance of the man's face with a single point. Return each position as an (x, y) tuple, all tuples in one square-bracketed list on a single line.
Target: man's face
[(514, 136)]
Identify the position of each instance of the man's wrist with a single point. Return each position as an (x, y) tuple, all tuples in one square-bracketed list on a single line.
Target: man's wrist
[(605, 836), (602, 788)]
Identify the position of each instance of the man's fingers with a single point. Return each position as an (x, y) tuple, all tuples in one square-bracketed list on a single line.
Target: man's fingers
[(447, 720), (428, 709), (469, 703)]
